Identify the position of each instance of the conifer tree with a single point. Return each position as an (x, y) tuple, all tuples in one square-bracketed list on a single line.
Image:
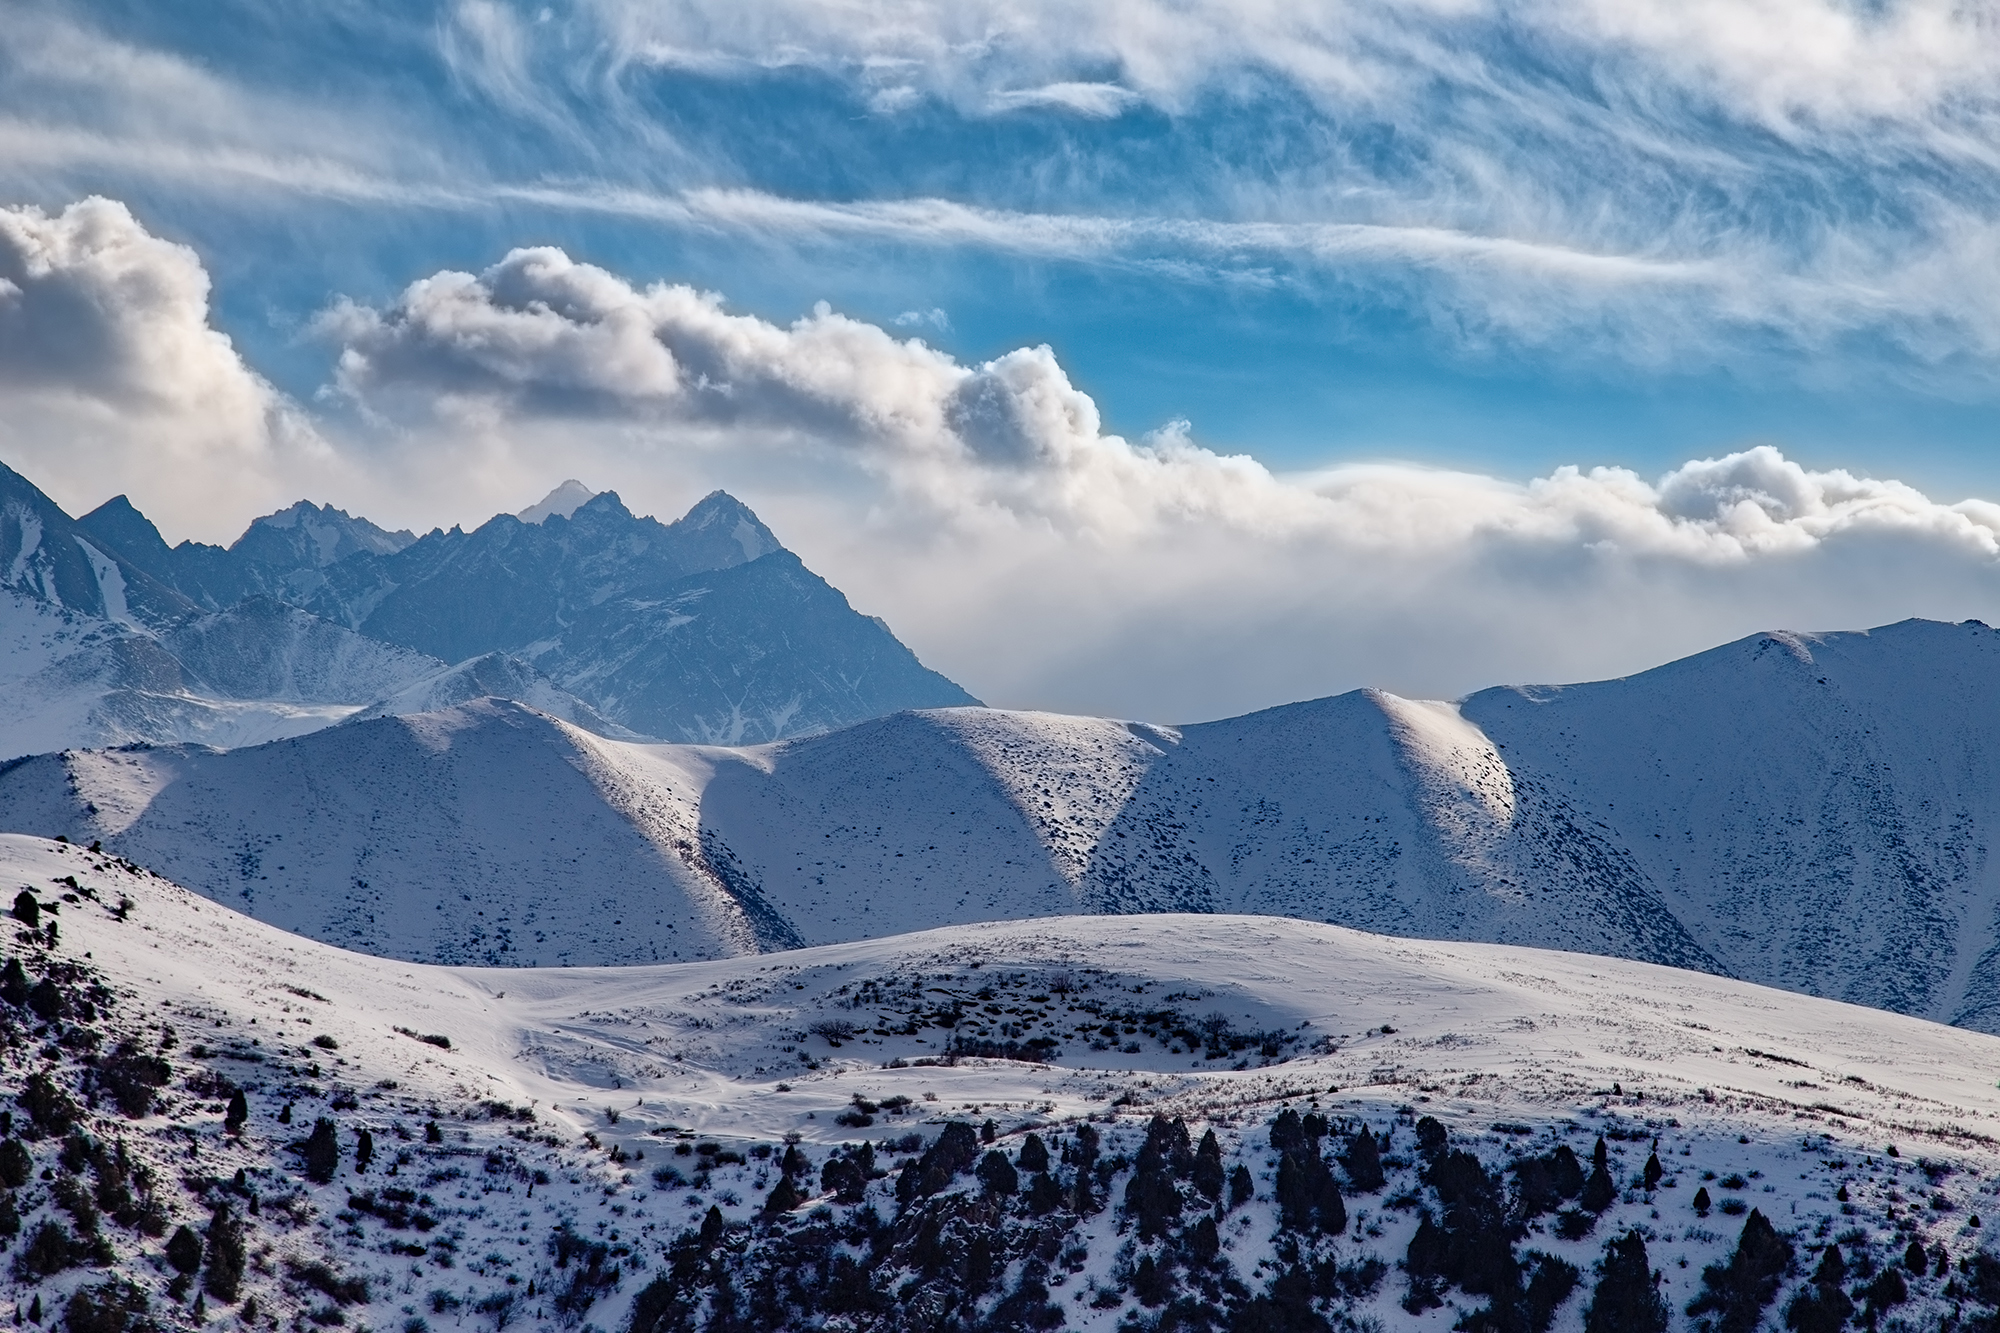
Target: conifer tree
[(1625, 1300), (1737, 1292), (225, 1255), (321, 1152)]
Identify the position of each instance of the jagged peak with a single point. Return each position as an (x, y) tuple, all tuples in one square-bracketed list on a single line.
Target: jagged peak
[(723, 512), (336, 532), (561, 502)]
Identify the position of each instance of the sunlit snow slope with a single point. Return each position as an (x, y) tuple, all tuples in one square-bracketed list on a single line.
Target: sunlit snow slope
[(582, 1098)]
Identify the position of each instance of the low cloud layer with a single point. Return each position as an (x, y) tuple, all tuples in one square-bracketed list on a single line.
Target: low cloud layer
[(983, 509)]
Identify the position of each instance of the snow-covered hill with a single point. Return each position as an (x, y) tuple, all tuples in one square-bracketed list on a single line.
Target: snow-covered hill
[(486, 833), (1811, 813), (672, 1147)]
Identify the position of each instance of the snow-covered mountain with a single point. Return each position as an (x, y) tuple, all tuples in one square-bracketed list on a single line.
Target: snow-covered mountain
[(68, 679), (705, 629), (280, 555), (1811, 812), (46, 557), (1073, 1123)]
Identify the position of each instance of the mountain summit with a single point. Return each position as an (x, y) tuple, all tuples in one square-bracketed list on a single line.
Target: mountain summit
[(564, 500)]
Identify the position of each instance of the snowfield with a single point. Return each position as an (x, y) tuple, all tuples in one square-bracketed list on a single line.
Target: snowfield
[(558, 1094), (1809, 812)]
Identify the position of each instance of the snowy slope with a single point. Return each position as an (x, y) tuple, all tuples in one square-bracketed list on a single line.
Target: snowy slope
[(475, 834), (1730, 813), (262, 649), (68, 679), (494, 676), (1817, 807), (647, 1096)]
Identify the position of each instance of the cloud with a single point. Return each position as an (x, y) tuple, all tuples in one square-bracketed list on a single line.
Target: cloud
[(1779, 62), (539, 334), (1626, 181), (110, 369), (986, 511), (1101, 100), (982, 508)]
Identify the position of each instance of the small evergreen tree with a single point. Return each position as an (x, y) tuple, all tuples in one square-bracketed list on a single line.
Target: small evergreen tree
[(321, 1152), (224, 1279), (238, 1113), (1625, 1300), (184, 1250), (783, 1198), (1208, 1172), (997, 1174), (1821, 1306), (1152, 1283), (1362, 1160), (364, 1148), (1598, 1192), (1886, 1290), (1034, 1154), (1737, 1292), (16, 1165)]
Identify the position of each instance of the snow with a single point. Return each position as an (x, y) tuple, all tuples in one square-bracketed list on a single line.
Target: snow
[(494, 675), (1511, 1048), (563, 501), (474, 834), (1730, 813), (1801, 811), (110, 584)]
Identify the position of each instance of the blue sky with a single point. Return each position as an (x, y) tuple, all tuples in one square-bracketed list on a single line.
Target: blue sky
[(1492, 237)]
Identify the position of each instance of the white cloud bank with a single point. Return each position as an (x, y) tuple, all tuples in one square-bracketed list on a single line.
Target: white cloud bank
[(983, 509), (539, 336), (110, 368)]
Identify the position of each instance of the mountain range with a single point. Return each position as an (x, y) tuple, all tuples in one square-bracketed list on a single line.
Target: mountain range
[(1804, 811), (705, 629)]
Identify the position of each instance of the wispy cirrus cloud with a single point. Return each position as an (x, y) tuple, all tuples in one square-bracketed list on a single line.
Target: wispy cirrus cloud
[(1626, 179)]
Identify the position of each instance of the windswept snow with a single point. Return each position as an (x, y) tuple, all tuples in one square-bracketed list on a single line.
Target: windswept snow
[(1840, 1124)]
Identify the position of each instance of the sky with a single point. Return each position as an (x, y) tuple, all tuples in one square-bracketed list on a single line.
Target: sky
[(1156, 359)]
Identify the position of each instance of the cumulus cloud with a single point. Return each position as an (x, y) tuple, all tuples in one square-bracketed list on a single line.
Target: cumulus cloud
[(985, 509), (109, 367)]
